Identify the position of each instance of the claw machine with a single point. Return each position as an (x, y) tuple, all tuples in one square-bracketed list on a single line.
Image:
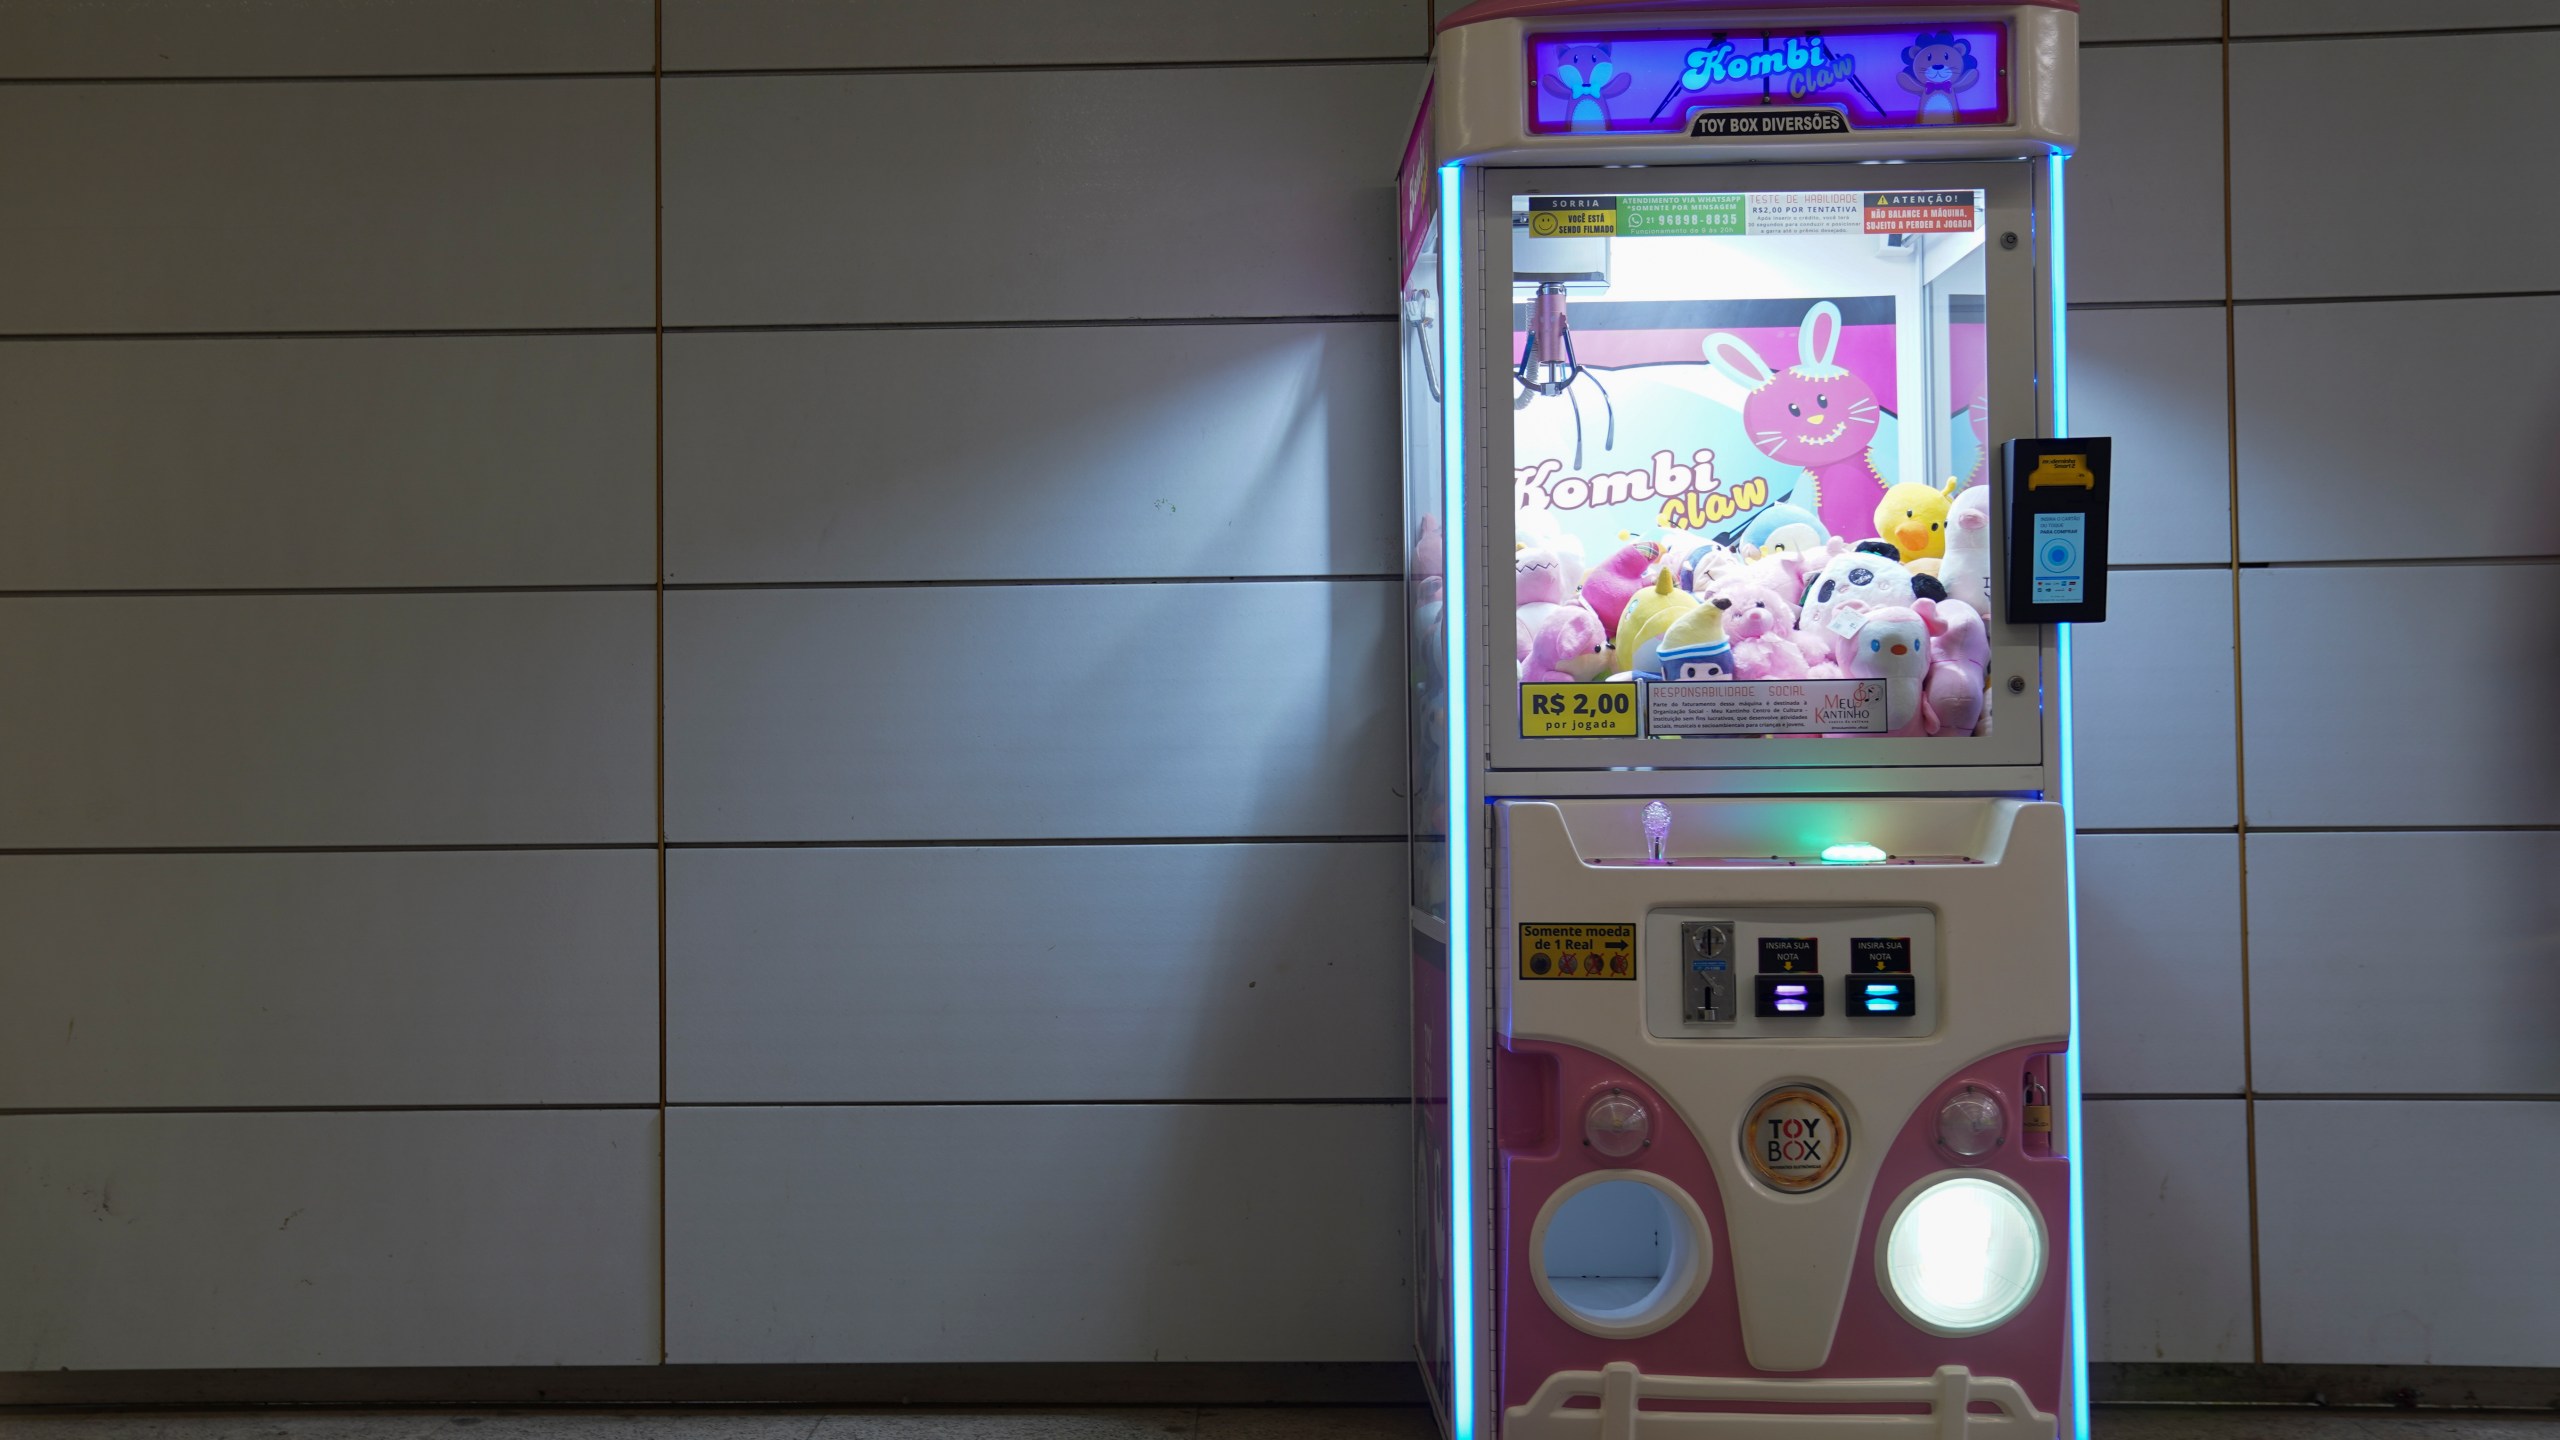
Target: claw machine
[(1743, 525)]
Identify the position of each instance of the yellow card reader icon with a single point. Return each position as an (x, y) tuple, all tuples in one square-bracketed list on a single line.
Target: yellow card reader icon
[(2052, 470)]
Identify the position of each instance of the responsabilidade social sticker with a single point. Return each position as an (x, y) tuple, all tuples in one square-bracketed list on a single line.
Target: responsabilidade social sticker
[(1795, 1139)]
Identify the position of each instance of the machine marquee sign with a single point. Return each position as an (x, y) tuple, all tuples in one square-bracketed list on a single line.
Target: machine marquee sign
[(1828, 80)]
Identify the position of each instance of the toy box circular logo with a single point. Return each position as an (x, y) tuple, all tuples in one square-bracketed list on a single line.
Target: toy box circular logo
[(1795, 1139)]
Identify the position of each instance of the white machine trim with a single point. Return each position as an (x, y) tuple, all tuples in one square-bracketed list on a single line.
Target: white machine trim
[(1622, 1390)]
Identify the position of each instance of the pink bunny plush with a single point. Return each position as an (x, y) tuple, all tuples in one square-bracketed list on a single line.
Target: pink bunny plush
[(1959, 654), (1814, 414), (1570, 645), (1760, 623), (1538, 585), (1893, 646)]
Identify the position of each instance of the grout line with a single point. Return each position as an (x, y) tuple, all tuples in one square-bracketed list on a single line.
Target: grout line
[(1168, 1102), (2162, 1095), (2293, 1097), (658, 72), (2155, 42), (55, 82), (1063, 67), (2446, 33), (1078, 322), (658, 420), (2266, 301), (2239, 711), (1068, 842), (525, 1106), (701, 586), (818, 327), (660, 1109), (1029, 581)]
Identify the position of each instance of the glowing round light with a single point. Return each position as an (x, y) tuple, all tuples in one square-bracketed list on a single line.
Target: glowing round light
[(1971, 1123), (1854, 853), (1616, 1125), (1962, 1255)]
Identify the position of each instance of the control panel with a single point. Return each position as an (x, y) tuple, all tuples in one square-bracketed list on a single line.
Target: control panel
[(1752, 973)]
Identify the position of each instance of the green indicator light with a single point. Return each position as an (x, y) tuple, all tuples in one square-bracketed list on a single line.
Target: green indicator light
[(1853, 854)]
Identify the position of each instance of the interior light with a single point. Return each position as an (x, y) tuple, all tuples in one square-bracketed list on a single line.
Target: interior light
[(1964, 1255), (1856, 852)]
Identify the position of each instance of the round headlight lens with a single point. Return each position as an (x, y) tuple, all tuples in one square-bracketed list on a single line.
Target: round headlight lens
[(1616, 1125), (1964, 1255)]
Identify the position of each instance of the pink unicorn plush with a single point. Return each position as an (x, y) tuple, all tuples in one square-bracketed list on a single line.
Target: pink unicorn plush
[(1814, 414)]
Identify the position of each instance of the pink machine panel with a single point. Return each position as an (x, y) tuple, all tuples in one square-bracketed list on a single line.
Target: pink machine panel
[(1881, 77)]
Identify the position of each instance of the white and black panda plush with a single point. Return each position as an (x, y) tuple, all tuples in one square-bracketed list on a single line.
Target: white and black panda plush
[(1862, 582)]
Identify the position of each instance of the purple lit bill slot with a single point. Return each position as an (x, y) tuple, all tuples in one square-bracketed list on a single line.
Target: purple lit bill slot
[(1791, 999)]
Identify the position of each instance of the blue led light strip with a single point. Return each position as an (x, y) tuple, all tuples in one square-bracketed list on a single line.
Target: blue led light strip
[(1455, 315), (2059, 368)]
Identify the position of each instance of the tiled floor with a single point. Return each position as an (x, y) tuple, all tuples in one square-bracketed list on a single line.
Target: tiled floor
[(1303, 1423)]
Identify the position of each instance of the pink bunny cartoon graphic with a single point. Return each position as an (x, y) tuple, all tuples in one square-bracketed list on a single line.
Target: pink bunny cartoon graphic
[(1814, 414)]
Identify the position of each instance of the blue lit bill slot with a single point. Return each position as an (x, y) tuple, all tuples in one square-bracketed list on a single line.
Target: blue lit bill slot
[(1883, 997), (1787, 997)]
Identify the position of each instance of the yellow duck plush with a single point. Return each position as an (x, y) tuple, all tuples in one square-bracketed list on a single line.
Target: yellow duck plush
[(1914, 518)]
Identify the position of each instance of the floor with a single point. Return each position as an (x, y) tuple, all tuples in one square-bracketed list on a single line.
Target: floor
[(1304, 1423)]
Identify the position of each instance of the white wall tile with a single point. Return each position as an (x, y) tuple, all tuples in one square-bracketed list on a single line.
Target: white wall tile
[(2158, 381), (1078, 452), (96, 39), (2413, 1232), (272, 464), (2400, 695), (997, 1233), (2146, 182), (2311, 152), (326, 720), (2168, 1213), (2376, 431), (887, 34), (1090, 972), (2405, 963), (2104, 20), (403, 205), (946, 713), (2160, 964), (2153, 702), (2309, 17), (269, 1240), (418, 978), (1170, 193)]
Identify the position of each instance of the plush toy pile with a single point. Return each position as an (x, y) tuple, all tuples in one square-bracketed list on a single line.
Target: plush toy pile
[(1911, 608)]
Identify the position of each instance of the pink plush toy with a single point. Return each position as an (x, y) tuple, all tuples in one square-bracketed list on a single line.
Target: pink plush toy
[(1761, 625), (1893, 646), (1614, 581), (1814, 414), (1538, 585), (1569, 646), (1522, 637), (1966, 571), (1959, 654), (1427, 547)]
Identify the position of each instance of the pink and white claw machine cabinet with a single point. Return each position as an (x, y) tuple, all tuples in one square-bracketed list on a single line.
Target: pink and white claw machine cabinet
[(1742, 527)]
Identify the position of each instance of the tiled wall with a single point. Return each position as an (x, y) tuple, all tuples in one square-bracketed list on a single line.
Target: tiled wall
[(1003, 996), (2319, 793), (565, 776)]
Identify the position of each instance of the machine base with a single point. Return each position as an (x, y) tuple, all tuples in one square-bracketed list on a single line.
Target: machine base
[(1622, 1390)]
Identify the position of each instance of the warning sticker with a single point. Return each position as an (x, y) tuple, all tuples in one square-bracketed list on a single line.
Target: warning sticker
[(1695, 709), (1557, 215), (1795, 1139), (1577, 952), (1564, 709), (1920, 212)]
